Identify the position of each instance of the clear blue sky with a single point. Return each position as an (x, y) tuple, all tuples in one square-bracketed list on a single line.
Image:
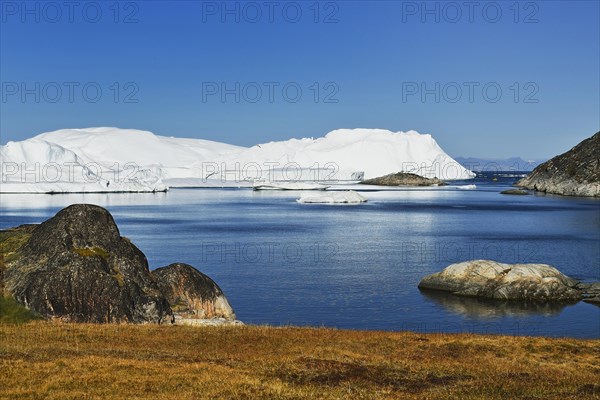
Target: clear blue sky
[(372, 57)]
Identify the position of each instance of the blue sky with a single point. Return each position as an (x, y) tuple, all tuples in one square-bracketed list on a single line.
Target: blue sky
[(498, 79)]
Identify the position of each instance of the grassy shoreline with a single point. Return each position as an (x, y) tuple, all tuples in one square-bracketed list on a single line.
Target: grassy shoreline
[(66, 361)]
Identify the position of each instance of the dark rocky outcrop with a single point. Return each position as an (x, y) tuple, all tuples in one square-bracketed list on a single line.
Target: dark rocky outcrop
[(494, 280), (403, 179), (76, 267), (516, 192), (192, 294), (574, 173)]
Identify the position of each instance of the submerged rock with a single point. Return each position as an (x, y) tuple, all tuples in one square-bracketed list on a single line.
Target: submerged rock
[(574, 173), (192, 294), (494, 280), (76, 267), (403, 179)]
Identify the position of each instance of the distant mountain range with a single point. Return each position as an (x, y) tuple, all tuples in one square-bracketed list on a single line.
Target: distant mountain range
[(500, 164)]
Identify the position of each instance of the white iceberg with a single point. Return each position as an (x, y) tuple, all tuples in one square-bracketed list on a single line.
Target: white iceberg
[(345, 197), (344, 154), (112, 159), (38, 166)]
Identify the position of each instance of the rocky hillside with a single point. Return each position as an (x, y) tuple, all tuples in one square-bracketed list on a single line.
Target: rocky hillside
[(574, 173), (77, 267)]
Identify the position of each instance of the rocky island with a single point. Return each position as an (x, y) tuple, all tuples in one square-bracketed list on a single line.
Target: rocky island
[(403, 179), (574, 173), (76, 267), (521, 282)]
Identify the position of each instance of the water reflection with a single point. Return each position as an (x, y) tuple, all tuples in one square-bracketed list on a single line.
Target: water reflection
[(491, 309)]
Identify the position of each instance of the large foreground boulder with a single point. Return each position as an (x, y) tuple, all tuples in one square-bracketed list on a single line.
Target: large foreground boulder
[(76, 267), (574, 173), (192, 294), (494, 280)]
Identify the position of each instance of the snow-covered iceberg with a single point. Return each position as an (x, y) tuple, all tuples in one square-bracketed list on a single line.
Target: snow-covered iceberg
[(112, 159), (102, 160), (39, 166), (344, 197), (348, 154)]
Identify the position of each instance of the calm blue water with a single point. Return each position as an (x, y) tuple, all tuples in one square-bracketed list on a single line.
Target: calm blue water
[(280, 262)]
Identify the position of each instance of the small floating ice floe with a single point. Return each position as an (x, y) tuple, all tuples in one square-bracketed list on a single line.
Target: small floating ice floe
[(346, 197), (288, 186)]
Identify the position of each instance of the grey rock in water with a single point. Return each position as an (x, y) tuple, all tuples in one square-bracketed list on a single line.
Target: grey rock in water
[(574, 173), (192, 294), (77, 267), (403, 179), (591, 292), (494, 280)]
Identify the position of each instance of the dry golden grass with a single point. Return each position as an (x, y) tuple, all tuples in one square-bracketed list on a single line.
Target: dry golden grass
[(44, 360)]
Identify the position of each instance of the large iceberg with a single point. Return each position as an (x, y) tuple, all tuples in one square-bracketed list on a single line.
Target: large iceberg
[(356, 154), (113, 159), (40, 166)]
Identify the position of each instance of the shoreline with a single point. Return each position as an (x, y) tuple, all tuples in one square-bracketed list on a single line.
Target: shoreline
[(222, 323)]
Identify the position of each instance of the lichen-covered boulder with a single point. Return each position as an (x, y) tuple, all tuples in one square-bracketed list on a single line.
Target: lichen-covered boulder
[(192, 294), (76, 267), (494, 280)]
